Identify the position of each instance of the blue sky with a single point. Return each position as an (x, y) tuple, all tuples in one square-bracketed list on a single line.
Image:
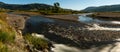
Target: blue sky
[(70, 4)]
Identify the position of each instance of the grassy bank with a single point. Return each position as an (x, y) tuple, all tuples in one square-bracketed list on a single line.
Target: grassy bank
[(7, 34), (11, 39)]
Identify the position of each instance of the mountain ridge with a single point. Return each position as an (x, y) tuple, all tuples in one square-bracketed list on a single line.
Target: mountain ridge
[(37, 6), (107, 8)]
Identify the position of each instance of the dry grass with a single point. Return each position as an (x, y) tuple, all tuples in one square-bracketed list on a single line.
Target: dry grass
[(26, 13), (7, 34), (3, 15)]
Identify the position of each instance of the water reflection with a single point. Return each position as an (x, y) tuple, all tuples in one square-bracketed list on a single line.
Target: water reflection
[(40, 19), (90, 20)]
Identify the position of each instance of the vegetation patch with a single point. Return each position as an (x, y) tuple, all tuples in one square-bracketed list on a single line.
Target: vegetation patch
[(3, 48), (7, 34), (36, 42), (6, 37)]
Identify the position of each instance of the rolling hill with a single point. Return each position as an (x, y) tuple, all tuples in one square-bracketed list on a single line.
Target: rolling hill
[(36, 6), (107, 8)]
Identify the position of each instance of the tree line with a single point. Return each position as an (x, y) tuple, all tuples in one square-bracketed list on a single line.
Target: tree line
[(39, 8)]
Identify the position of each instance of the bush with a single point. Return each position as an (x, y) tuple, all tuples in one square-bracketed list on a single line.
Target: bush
[(6, 37)]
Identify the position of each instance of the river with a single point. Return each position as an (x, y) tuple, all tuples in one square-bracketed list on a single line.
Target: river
[(96, 22)]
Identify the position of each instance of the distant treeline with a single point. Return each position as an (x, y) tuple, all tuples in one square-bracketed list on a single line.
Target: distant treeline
[(37, 7)]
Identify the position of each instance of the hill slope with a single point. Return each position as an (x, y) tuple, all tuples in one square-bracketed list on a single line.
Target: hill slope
[(36, 6), (108, 8)]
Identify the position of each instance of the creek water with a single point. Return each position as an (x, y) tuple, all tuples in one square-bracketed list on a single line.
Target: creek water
[(95, 22), (85, 19)]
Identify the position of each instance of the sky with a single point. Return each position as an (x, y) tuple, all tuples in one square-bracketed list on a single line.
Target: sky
[(68, 4)]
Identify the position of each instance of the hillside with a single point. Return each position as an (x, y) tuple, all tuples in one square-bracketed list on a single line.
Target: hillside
[(107, 8), (35, 6)]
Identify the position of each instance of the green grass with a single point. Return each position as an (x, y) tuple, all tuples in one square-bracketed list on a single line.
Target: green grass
[(6, 37), (3, 48), (37, 42), (7, 34)]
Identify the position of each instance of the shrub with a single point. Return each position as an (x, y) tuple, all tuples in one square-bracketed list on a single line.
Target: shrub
[(6, 37)]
